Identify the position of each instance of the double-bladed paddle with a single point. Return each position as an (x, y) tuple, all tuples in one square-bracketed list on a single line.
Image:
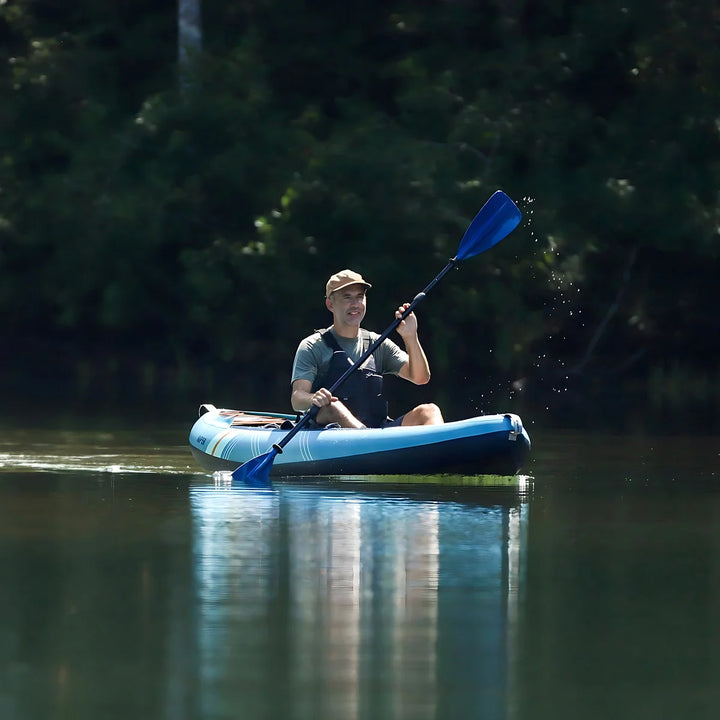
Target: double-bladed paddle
[(497, 218)]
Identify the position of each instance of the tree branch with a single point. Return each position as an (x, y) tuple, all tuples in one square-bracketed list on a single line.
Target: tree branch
[(612, 310)]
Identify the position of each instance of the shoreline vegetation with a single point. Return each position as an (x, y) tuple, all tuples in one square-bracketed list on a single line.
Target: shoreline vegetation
[(166, 232), (665, 400)]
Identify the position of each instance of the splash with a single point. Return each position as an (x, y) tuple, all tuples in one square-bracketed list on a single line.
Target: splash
[(555, 278)]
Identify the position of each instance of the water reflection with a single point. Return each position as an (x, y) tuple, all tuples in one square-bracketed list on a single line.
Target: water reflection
[(134, 587), (327, 604)]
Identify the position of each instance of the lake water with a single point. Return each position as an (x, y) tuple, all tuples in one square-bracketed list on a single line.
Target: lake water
[(136, 586)]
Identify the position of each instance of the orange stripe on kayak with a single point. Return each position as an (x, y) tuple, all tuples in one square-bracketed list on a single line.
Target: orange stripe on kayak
[(214, 447)]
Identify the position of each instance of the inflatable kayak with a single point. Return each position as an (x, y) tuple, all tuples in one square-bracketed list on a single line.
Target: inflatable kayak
[(223, 440)]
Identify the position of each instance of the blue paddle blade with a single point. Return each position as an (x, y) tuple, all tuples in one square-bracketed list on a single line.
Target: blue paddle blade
[(256, 471), (498, 217)]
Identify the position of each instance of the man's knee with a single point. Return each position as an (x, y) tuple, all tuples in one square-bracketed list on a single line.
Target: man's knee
[(432, 414), (426, 414)]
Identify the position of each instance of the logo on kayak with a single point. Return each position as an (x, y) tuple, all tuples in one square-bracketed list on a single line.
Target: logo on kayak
[(201, 440)]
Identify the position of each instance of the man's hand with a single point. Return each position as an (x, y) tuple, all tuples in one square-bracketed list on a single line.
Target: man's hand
[(409, 326), (322, 398)]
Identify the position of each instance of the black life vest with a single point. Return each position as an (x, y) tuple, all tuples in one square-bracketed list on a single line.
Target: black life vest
[(361, 393)]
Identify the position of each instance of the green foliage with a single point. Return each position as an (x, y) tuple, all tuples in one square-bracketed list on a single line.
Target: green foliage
[(186, 230)]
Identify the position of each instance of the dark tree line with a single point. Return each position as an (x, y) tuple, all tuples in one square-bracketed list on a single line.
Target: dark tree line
[(167, 236)]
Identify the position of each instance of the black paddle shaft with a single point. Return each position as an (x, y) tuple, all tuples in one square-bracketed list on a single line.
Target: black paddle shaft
[(314, 409)]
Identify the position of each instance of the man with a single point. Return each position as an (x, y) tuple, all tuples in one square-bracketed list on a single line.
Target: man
[(323, 357)]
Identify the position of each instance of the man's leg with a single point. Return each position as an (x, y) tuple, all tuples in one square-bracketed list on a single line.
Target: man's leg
[(427, 414)]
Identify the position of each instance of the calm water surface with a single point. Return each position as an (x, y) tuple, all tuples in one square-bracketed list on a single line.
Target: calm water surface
[(136, 586)]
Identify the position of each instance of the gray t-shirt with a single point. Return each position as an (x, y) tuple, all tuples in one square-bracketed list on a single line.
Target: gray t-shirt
[(314, 354)]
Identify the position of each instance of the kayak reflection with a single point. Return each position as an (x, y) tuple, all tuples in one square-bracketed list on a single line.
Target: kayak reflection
[(357, 604)]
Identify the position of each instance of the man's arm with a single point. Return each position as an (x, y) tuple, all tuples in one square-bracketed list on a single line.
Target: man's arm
[(331, 409), (301, 397), (417, 368)]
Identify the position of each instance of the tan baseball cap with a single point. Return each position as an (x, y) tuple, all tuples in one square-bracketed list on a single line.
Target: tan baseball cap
[(343, 279)]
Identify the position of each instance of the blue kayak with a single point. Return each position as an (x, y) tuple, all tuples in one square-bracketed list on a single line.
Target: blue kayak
[(488, 444)]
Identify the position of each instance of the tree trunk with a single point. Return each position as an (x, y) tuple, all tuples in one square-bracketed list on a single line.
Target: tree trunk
[(189, 33)]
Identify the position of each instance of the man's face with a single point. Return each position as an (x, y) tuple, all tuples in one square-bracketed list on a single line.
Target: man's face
[(348, 304)]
